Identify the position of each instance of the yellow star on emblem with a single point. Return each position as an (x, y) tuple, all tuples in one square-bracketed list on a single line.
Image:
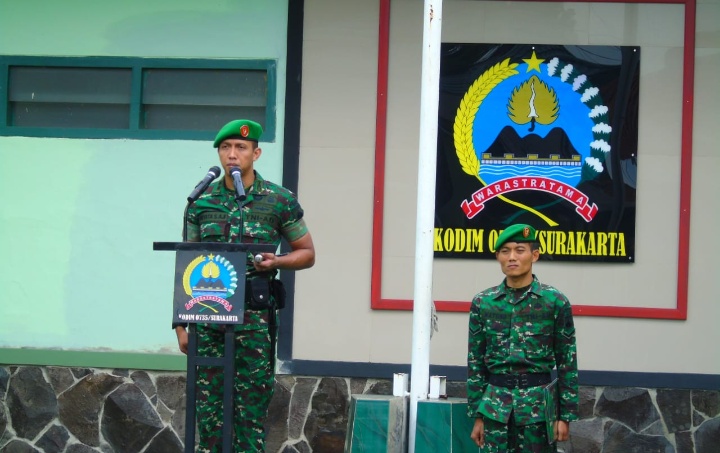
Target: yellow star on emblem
[(211, 256), (533, 63)]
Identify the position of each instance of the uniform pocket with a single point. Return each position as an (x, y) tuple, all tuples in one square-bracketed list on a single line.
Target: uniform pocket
[(497, 335), (260, 234), (214, 232), (539, 340), (257, 294)]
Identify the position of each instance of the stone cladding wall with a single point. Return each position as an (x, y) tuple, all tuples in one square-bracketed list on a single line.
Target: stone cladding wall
[(83, 410)]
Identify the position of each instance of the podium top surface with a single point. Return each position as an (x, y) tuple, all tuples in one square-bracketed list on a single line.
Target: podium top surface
[(214, 247)]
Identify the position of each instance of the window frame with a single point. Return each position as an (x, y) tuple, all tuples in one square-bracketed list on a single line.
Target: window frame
[(136, 65)]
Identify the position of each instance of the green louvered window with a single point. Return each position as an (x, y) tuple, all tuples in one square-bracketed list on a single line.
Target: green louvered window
[(133, 97), (200, 99), (69, 97)]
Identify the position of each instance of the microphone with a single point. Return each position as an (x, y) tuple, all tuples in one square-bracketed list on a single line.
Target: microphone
[(213, 173), (237, 181)]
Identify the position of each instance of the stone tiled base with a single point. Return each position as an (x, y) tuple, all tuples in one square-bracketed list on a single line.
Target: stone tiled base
[(84, 410)]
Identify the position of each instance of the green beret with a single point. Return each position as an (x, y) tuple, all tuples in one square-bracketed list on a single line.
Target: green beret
[(242, 129), (519, 232)]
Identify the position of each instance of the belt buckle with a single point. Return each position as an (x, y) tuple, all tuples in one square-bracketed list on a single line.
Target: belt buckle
[(513, 381), (523, 381)]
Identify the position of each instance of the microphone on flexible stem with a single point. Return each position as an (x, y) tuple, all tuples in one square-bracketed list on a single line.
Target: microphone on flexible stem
[(213, 173), (237, 182)]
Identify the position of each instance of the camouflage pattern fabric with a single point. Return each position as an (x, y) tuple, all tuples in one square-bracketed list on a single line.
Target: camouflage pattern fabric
[(531, 332), (510, 438), (268, 214), (253, 390)]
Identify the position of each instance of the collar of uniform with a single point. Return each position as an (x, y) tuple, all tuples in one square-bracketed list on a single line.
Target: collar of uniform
[(503, 287), (257, 187), (223, 195), (218, 187)]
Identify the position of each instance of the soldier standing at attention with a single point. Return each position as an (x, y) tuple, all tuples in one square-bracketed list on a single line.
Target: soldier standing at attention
[(518, 332), (268, 214)]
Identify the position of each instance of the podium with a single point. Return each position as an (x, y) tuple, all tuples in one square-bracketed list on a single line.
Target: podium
[(210, 280)]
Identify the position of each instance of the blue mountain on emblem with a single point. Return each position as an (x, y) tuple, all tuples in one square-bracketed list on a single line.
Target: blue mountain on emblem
[(209, 287), (511, 155), (553, 149)]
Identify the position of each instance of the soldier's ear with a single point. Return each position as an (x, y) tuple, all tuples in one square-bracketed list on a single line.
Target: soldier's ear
[(536, 255)]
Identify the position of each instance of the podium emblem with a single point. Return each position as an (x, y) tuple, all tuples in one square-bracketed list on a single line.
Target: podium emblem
[(210, 280), (207, 287)]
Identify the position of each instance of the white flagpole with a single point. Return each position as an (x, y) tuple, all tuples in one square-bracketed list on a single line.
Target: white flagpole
[(422, 307)]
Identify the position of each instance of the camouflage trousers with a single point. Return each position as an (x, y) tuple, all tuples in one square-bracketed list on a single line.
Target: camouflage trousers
[(510, 438), (253, 389)]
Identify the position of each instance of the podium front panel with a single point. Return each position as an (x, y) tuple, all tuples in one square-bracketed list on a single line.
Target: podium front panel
[(209, 287)]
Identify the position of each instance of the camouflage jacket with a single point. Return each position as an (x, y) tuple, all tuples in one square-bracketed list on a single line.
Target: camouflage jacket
[(269, 213), (532, 333)]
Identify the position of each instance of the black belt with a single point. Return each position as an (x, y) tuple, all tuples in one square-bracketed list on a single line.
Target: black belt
[(519, 381)]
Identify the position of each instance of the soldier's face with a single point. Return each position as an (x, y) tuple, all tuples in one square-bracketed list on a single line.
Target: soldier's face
[(516, 259), (238, 153)]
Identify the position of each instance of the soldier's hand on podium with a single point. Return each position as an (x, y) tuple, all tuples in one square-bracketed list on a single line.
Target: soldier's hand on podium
[(182, 337), (266, 261)]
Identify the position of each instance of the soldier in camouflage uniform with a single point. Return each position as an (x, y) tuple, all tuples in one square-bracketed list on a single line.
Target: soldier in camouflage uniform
[(268, 214), (518, 332)]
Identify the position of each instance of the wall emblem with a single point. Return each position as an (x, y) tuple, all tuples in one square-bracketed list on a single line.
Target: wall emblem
[(545, 135), (554, 133)]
